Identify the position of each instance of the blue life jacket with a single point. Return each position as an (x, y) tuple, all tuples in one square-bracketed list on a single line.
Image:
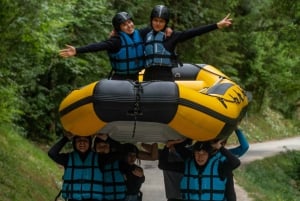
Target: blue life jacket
[(155, 52), (114, 182), (130, 58), (206, 185), (82, 179)]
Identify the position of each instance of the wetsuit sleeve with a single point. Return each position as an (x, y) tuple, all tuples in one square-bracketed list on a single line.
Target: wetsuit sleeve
[(112, 45), (184, 152), (144, 31), (190, 33), (229, 190), (164, 164), (163, 158), (115, 146), (231, 162), (244, 145), (60, 158), (139, 179), (124, 167), (114, 156)]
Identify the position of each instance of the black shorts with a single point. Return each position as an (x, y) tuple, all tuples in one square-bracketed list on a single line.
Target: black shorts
[(158, 73)]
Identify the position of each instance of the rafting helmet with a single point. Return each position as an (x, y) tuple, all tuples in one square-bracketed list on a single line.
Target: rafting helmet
[(130, 148), (160, 11), (119, 18), (206, 146)]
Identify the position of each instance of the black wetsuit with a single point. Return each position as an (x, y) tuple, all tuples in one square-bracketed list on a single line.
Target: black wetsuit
[(165, 73), (225, 170), (111, 45)]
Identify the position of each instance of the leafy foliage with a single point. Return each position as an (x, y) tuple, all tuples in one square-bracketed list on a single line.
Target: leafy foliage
[(275, 171), (260, 51)]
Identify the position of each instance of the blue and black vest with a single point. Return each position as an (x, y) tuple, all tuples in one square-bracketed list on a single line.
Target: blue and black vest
[(130, 58), (82, 179), (114, 182), (155, 52), (206, 185)]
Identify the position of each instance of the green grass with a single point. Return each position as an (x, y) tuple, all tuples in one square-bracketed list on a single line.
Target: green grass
[(26, 172), (271, 179), (274, 179)]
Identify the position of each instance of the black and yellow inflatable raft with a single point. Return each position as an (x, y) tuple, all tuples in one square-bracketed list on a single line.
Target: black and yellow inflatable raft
[(202, 104)]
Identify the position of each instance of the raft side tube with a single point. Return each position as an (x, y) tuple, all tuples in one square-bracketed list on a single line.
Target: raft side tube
[(77, 114), (203, 117), (146, 101)]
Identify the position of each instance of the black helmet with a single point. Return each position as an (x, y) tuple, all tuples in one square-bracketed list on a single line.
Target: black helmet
[(160, 11), (119, 18), (130, 148), (206, 146)]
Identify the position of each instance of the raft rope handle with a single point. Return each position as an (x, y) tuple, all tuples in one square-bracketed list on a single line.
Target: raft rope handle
[(221, 77), (134, 127), (136, 109), (202, 68)]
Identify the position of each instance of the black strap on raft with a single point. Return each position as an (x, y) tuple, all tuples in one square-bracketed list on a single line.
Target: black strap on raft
[(136, 110), (176, 62), (221, 76), (110, 74)]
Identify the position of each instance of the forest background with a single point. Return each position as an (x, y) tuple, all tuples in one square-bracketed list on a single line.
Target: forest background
[(260, 52)]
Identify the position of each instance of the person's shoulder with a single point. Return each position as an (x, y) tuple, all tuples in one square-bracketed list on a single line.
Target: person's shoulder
[(114, 42), (144, 29), (175, 34), (115, 38)]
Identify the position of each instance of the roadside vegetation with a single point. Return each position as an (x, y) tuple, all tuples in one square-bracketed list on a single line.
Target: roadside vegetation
[(275, 178), (26, 172)]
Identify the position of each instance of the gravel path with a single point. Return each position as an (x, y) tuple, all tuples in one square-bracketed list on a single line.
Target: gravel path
[(153, 187)]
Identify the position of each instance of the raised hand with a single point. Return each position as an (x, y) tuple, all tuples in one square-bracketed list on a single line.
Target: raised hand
[(226, 22), (67, 52)]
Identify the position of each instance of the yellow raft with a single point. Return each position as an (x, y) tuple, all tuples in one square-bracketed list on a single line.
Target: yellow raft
[(202, 104)]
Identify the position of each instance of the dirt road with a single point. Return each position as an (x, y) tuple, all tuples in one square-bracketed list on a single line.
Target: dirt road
[(153, 187)]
